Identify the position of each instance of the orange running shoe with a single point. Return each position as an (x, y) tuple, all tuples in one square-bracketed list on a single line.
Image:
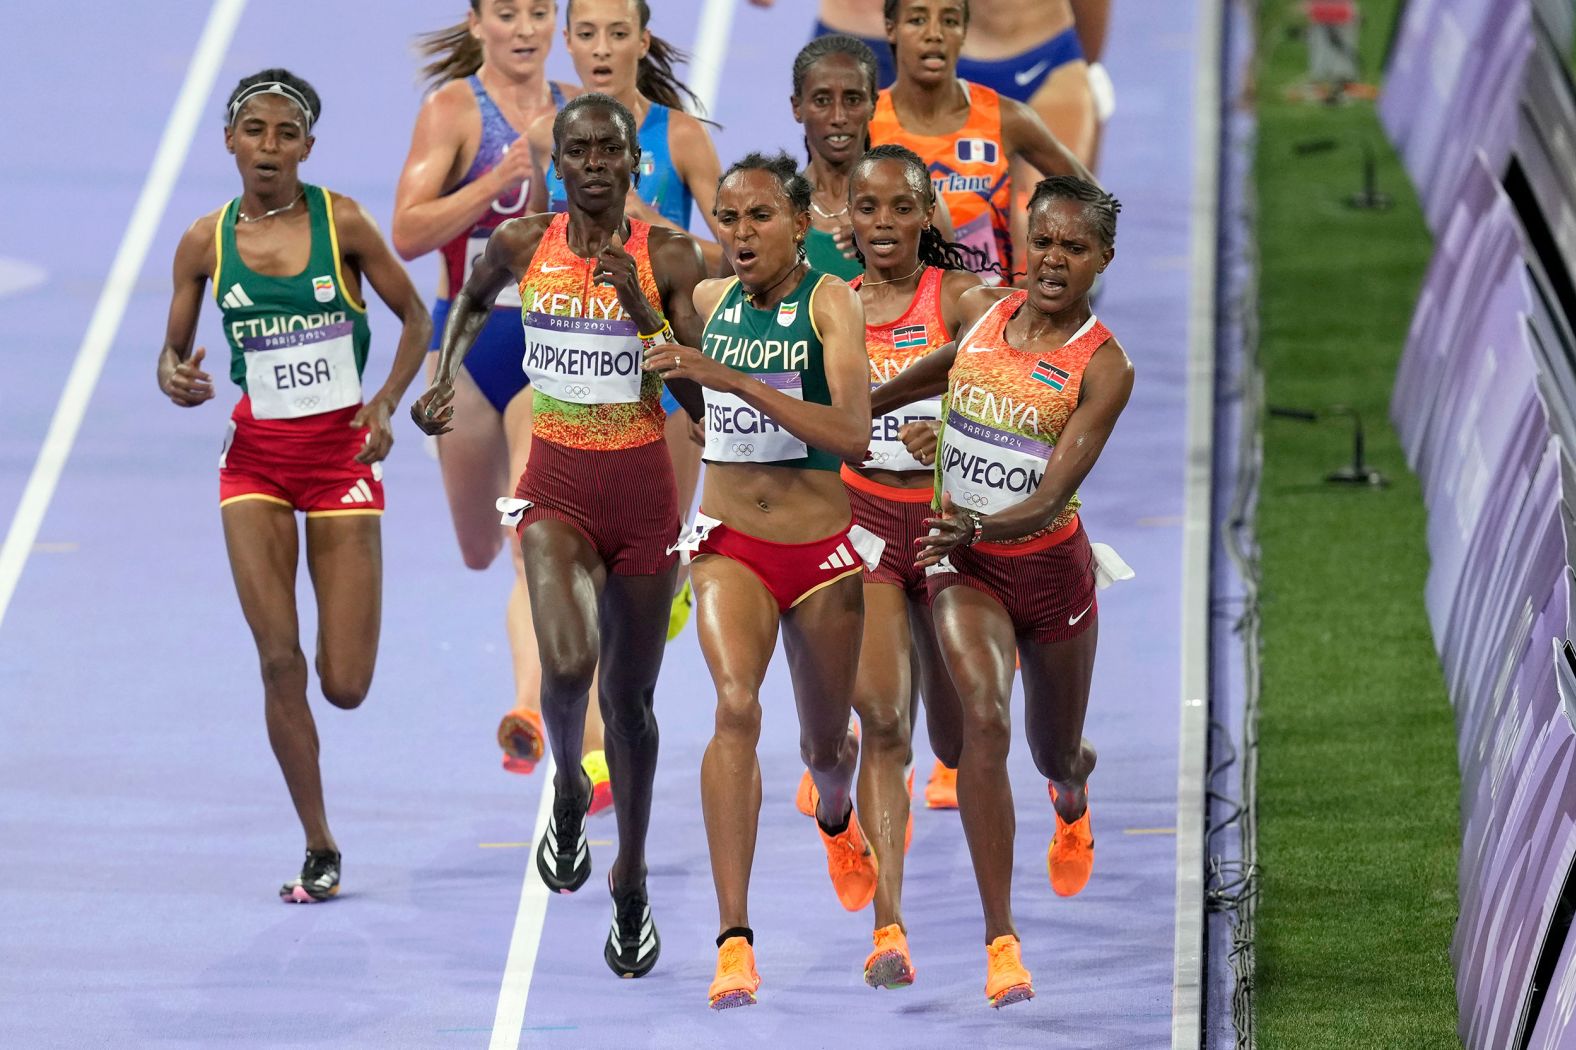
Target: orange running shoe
[(807, 797), (890, 966), (1006, 981), (852, 864), (523, 740), (942, 791), (595, 765), (1071, 856), (736, 981)]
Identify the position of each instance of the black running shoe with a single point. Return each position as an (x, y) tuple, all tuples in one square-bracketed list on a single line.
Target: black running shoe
[(563, 857), (318, 881), (632, 944)]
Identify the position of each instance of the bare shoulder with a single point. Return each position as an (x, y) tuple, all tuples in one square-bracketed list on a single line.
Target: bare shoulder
[(194, 253), (687, 132), (975, 302), (955, 283), (674, 247), (709, 293)]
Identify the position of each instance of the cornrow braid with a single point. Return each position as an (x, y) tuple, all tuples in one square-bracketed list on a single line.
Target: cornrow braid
[(1101, 206), (934, 249), (795, 186)]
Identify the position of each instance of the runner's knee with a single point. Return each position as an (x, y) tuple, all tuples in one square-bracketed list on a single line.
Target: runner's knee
[(283, 668), (738, 713)]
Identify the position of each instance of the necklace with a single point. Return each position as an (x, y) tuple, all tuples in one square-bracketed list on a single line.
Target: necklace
[(241, 216), (750, 297), (893, 280), (823, 213)]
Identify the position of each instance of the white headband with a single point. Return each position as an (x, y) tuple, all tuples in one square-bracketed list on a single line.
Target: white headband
[(273, 87)]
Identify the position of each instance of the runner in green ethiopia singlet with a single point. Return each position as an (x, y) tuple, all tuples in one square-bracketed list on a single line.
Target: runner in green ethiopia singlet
[(781, 347), (298, 344)]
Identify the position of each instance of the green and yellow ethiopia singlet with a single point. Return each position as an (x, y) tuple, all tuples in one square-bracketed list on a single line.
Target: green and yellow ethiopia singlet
[(781, 347), (298, 344)]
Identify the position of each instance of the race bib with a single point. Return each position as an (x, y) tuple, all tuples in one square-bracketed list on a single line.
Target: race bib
[(887, 451), (510, 296), (987, 470), (583, 360), (737, 432), (302, 373)]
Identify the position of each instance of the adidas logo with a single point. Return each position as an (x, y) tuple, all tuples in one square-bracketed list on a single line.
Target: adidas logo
[(360, 492), (236, 297), (734, 314), (840, 558)]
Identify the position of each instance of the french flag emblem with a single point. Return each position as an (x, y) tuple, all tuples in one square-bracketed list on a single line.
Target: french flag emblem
[(976, 151)]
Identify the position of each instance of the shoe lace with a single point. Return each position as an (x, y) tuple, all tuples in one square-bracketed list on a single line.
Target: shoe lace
[(1002, 954), (629, 912), (567, 817), (318, 864), (734, 955)]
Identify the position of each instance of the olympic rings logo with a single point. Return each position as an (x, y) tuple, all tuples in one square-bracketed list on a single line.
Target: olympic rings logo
[(880, 457), (577, 390), (976, 499), (310, 401), (744, 449)]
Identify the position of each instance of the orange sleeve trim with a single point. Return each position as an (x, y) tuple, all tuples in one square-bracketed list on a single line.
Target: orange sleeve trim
[(1034, 546), (871, 487)]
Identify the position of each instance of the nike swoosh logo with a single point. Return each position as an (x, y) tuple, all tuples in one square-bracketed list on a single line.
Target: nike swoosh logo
[(1072, 621), (1024, 76), (553, 269)]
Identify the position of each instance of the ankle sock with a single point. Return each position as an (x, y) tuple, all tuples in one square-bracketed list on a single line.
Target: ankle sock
[(737, 931)]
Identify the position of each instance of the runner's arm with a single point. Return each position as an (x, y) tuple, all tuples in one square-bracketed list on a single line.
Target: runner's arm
[(425, 219), (360, 239), (1107, 384), (180, 373), (1024, 134), (927, 377), (682, 271)]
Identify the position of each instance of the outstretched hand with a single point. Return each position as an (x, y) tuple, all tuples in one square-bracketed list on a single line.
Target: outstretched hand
[(947, 533), (433, 411)]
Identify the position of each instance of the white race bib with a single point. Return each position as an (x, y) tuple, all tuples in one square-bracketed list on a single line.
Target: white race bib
[(510, 296), (302, 373), (583, 360), (987, 470), (737, 432), (887, 451)]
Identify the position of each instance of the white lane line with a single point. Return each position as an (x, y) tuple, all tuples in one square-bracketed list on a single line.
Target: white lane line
[(523, 943), (168, 160), (1188, 959), (711, 51)]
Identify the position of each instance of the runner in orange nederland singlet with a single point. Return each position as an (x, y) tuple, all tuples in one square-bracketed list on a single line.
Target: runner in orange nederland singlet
[(597, 506), (966, 133), (1033, 390)]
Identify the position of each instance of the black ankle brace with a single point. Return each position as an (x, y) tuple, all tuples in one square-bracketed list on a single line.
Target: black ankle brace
[(737, 931)]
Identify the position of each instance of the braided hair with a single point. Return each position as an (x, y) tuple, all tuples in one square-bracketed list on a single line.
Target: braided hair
[(934, 249), (1101, 208), (891, 7)]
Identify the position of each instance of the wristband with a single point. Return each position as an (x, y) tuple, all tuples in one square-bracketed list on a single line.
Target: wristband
[(1103, 90), (977, 526), (657, 338)]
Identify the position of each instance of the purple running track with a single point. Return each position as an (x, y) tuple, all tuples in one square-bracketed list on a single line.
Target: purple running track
[(146, 823)]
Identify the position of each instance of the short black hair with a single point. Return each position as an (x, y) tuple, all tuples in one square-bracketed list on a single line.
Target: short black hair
[(621, 114), (1102, 207), (298, 91)]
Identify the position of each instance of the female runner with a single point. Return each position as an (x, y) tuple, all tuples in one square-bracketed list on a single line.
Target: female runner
[(616, 53), (910, 290), (786, 398), (462, 179), (966, 133), (1030, 401), (597, 505), (287, 262)]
